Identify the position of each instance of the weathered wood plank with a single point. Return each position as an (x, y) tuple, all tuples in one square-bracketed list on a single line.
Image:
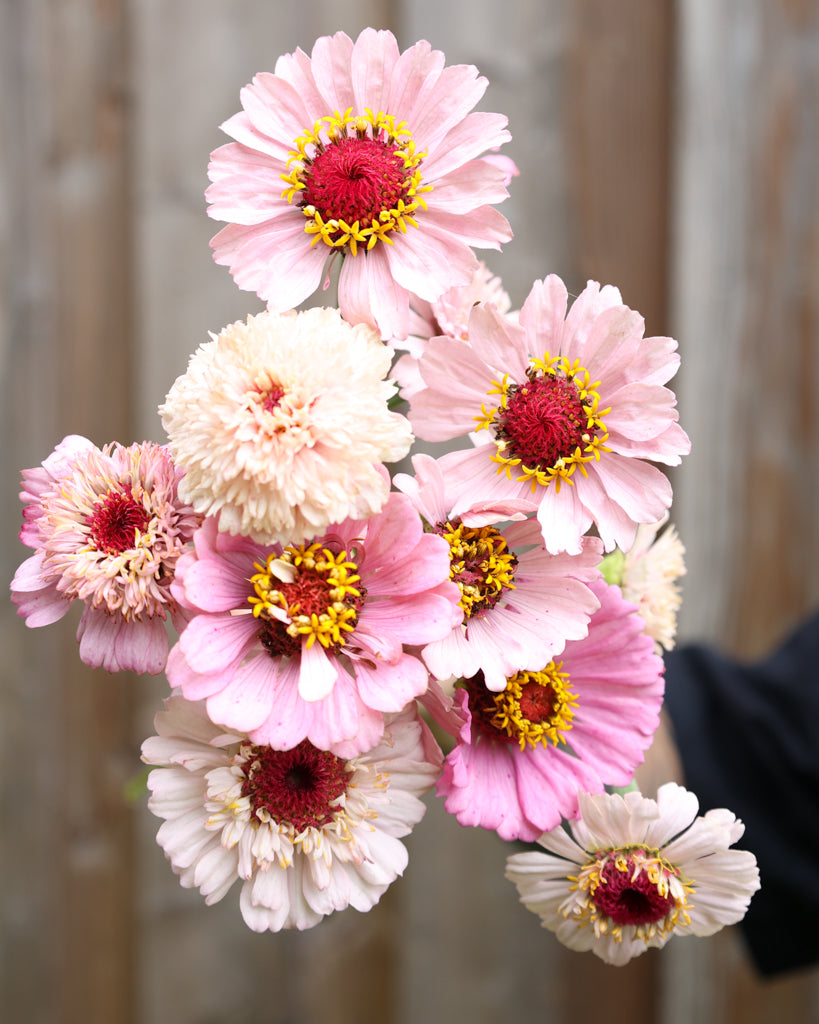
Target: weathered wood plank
[(745, 308), (66, 360)]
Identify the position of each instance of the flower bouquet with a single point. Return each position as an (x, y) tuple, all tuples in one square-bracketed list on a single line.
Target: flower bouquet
[(488, 623)]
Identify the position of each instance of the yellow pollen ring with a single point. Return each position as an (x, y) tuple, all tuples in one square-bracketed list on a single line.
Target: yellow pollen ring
[(663, 875), (335, 128), (484, 548), (272, 584), (510, 718), (594, 440)]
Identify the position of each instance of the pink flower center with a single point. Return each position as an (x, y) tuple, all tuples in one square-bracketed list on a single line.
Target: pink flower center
[(272, 397), (298, 787), (627, 895), (543, 421), (354, 180), (114, 523)]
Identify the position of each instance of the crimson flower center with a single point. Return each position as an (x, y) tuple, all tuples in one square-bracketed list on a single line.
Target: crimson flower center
[(114, 523), (536, 702), (298, 787), (483, 708), (355, 179), (543, 421), (627, 899)]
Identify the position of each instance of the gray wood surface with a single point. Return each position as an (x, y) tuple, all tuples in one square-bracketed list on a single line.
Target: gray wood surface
[(669, 148)]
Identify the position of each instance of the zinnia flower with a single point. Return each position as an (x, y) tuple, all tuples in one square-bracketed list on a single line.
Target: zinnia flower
[(447, 317), (107, 527), (632, 872), (367, 152), (307, 641), (649, 578), (520, 604), (306, 832), (583, 721), (569, 406), (282, 424), (647, 574)]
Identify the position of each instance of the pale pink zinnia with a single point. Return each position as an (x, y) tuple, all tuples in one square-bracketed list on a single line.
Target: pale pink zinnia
[(632, 872), (366, 152), (308, 641), (305, 831), (583, 722), (568, 408), (282, 424), (447, 317), (108, 528), (520, 603)]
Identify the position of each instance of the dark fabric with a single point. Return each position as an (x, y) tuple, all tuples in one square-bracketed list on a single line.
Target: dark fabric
[(748, 737)]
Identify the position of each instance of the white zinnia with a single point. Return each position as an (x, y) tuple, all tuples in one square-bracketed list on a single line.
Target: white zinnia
[(632, 871), (282, 425), (305, 831)]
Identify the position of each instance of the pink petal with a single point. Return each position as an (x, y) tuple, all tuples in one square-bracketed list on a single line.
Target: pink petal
[(391, 687)]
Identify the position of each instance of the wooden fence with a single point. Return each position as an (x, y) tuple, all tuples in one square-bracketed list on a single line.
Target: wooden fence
[(669, 148)]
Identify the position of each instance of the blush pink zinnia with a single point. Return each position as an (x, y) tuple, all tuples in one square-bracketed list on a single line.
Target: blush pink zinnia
[(571, 407), (520, 603), (309, 641), (366, 152)]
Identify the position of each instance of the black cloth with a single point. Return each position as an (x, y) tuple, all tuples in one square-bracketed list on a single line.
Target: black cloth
[(748, 736)]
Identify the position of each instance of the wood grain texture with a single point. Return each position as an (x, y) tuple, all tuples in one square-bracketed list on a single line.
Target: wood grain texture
[(746, 281), (66, 368)]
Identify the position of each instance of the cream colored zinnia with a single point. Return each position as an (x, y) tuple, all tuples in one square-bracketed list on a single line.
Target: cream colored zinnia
[(647, 574), (282, 425)]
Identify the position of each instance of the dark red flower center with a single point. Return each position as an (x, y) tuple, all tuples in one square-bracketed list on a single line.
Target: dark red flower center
[(543, 421), (537, 702), (355, 179), (115, 520), (627, 899), (296, 787), (483, 707)]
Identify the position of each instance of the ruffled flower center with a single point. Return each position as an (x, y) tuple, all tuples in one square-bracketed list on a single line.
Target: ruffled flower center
[(548, 426), (116, 522), (630, 887), (480, 563), (356, 178), (535, 708), (305, 592), (301, 787)]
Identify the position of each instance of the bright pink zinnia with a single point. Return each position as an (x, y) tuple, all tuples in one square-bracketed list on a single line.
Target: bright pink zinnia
[(107, 527), (571, 405), (364, 151), (520, 603), (307, 642), (583, 722)]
